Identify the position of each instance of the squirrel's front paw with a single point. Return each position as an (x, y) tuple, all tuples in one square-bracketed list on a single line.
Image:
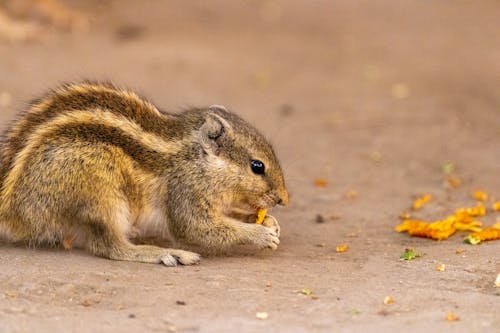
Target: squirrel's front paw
[(272, 222), (267, 237)]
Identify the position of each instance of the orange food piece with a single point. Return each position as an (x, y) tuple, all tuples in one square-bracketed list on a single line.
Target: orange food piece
[(479, 210), (342, 248), (480, 195), (496, 206), (454, 181), (419, 202), (261, 215), (388, 300), (320, 182), (451, 317), (486, 234), (437, 230)]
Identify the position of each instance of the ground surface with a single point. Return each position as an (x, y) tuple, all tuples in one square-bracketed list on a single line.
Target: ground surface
[(371, 96)]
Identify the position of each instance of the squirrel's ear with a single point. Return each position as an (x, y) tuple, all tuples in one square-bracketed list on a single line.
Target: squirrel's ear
[(212, 132)]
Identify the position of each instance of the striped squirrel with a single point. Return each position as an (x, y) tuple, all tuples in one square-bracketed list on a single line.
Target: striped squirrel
[(95, 166)]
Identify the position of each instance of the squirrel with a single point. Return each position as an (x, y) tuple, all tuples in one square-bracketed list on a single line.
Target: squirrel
[(95, 166)]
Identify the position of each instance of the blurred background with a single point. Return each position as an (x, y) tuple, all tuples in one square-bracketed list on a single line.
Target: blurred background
[(375, 97), (332, 83)]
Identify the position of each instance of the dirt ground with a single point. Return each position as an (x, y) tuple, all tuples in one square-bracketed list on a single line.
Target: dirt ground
[(373, 97)]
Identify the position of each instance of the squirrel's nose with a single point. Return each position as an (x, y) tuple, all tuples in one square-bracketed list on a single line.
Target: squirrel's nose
[(283, 198)]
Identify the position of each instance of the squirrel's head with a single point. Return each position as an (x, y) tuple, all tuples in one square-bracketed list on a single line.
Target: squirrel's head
[(240, 162)]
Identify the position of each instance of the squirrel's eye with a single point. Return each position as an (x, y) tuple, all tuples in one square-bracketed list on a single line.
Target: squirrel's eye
[(257, 167)]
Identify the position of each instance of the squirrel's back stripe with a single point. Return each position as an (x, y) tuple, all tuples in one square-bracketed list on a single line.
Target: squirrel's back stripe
[(85, 96), (148, 150)]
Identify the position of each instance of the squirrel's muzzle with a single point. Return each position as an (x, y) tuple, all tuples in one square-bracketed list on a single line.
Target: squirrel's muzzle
[(282, 197)]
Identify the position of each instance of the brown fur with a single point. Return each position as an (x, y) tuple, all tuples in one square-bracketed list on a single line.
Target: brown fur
[(93, 165)]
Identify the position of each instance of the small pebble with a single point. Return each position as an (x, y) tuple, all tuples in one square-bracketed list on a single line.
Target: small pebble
[(320, 218)]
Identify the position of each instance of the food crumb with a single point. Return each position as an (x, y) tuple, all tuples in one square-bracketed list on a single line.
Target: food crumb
[(405, 216), (341, 248), (480, 195), (320, 182), (306, 291), (440, 268), (420, 201), (262, 315), (453, 181), (496, 206), (451, 317), (388, 300), (497, 281)]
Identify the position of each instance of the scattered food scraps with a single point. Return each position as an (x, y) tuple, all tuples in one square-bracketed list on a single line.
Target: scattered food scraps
[(439, 230), (462, 220), (409, 254), (341, 248), (388, 300), (496, 206), (497, 281), (440, 268), (480, 195), (262, 315), (419, 202), (451, 317)]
